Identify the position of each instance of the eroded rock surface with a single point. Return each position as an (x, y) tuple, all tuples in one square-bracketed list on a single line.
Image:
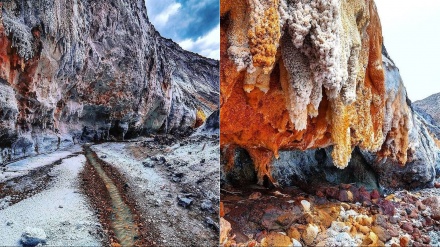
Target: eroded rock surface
[(72, 70), (301, 75)]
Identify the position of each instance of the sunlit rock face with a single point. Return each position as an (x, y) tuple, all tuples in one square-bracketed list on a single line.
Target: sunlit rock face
[(306, 74), (72, 70)]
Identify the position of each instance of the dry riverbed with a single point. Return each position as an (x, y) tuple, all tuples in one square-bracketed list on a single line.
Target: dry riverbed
[(168, 188)]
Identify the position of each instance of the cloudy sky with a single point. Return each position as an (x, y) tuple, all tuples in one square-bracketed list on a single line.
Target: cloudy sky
[(193, 24), (412, 37)]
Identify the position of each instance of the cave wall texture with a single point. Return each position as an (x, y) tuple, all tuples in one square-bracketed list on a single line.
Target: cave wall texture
[(72, 70), (311, 74)]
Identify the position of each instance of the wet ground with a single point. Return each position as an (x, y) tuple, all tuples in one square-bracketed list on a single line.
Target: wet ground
[(332, 216)]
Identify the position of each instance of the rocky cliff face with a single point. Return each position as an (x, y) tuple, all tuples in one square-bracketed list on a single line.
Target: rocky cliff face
[(430, 115), (72, 70), (305, 75), (427, 105)]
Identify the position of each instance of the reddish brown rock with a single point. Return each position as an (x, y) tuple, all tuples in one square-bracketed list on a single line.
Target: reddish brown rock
[(381, 233), (343, 196), (407, 226), (404, 241), (332, 192), (434, 204), (426, 239), (375, 194)]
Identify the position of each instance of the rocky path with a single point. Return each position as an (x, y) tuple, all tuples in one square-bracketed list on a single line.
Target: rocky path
[(54, 212), (174, 184)]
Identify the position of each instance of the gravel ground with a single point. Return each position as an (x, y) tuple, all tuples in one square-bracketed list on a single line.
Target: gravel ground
[(157, 174), (60, 210)]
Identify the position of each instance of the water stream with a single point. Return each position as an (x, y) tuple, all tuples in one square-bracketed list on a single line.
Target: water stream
[(122, 219)]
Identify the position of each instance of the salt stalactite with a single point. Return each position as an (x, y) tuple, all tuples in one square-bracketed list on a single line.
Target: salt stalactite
[(323, 86)]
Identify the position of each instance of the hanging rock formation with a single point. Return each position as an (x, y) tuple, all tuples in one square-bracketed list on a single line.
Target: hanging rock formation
[(307, 74), (72, 70)]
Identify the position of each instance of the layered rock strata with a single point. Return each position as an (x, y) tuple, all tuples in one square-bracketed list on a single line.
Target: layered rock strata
[(94, 70), (306, 74)]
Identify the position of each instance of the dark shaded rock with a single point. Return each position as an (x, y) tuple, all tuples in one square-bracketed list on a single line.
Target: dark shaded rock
[(242, 172), (343, 196), (211, 223), (148, 163), (207, 206), (184, 201), (33, 237)]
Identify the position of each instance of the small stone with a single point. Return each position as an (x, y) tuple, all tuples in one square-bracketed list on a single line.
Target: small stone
[(394, 219), (414, 214), (222, 210), (420, 205), (382, 233), (148, 164), (426, 239), (375, 194), (434, 204), (437, 185), (364, 195), (404, 241), (202, 161), (206, 206), (162, 160), (407, 226), (212, 223), (276, 239), (427, 222), (296, 243), (306, 205), (350, 196), (343, 196), (60, 206), (292, 232), (345, 206), (364, 229), (394, 232), (255, 196), (310, 234), (9, 223), (103, 156), (33, 236), (184, 202)]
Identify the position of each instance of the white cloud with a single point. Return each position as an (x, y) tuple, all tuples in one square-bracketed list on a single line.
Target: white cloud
[(208, 45), (162, 18)]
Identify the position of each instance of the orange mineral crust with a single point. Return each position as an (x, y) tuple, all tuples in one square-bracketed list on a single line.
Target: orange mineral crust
[(300, 75)]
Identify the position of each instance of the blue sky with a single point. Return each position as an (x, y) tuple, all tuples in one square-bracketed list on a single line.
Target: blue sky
[(412, 37), (193, 24)]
